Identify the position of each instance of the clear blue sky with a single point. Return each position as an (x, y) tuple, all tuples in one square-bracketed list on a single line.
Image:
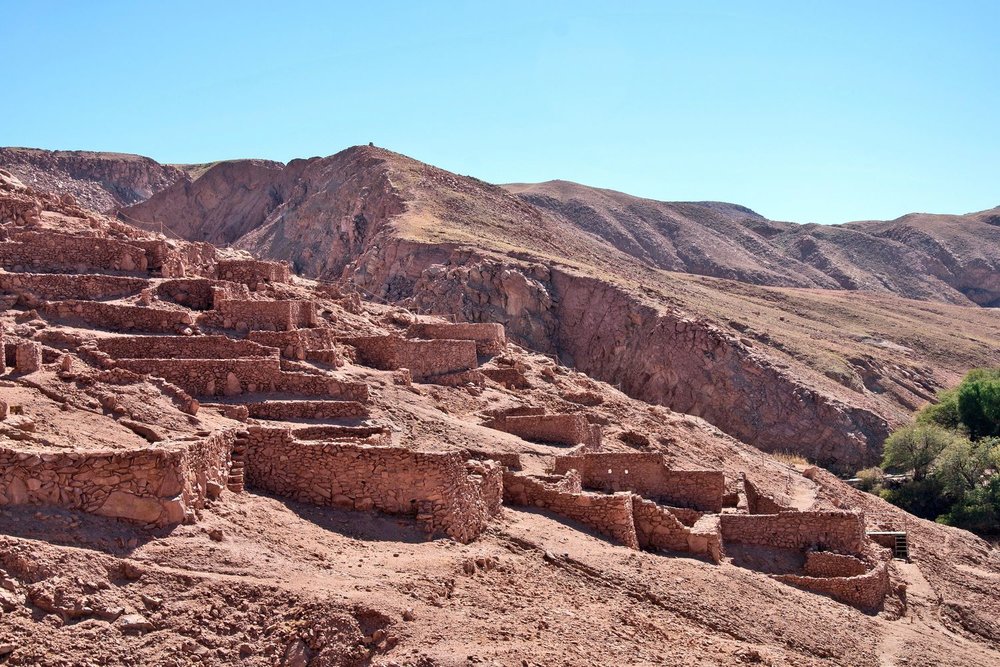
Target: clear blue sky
[(805, 111)]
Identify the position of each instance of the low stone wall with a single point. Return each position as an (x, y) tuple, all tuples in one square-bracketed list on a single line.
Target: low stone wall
[(375, 436), (156, 486), (445, 493), (119, 317), (648, 475), (559, 429), (247, 315), (231, 377), (252, 272), (426, 359), (490, 338), (608, 515), (199, 293), (27, 356), (843, 532), (60, 253), (284, 410), (32, 287), (866, 591), (182, 347), (829, 564), (657, 527), (299, 343), (759, 502)]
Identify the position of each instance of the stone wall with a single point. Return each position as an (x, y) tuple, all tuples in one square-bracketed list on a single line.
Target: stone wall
[(252, 272), (33, 287), (284, 410), (299, 343), (608, 515), (119, 317), (866, 591), (199, 293), (829, 564), (446, 493), (759, 502), (562, 429), (489, 337), (182, 347), (839, 531), (231, 377), (246, 315), (61, 253), (648, 475), (27, 356), (425, 358), (156, 486)]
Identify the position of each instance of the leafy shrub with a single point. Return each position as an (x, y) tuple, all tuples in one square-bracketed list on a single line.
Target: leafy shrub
[(914, 448), (870, 479), (979, 405)]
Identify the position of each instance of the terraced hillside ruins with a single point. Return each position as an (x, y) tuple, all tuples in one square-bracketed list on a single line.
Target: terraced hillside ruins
[(165, 387)]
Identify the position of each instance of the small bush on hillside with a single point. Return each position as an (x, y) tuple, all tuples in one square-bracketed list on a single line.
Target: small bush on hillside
[(871, 479)]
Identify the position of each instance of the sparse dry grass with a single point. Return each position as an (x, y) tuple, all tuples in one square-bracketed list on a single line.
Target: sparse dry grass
[(790, 458)]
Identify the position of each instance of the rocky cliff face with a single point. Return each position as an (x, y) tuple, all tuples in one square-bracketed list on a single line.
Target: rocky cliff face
[(98, 181), (660, 355)]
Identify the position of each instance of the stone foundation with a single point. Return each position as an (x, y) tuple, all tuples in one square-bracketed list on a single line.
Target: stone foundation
[(119, 317), (843, 532), (490, 338), (446, 493), (865, 591), (253, 273), (559, 429), (247, 315), (285, 410), (608, 515), (647, 474), (156, 486), (35, 287), (426, 359), (301, 344), (51, 252), (182, 347)]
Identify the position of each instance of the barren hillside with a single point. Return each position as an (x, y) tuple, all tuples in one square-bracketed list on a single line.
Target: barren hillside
[(207, 460)]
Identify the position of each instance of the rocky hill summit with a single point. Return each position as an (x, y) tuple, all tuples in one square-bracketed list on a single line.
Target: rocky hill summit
[(207, 459), (99, 181)]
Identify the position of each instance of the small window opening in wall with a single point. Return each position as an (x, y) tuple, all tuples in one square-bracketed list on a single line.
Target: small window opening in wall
[(609, 471), (626, 471)]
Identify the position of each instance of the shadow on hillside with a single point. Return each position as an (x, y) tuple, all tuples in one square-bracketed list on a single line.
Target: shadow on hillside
[(72, 528), (367, 526)]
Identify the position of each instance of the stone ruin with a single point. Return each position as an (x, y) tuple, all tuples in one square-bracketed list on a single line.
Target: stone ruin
[(210, 333), (638, 501)]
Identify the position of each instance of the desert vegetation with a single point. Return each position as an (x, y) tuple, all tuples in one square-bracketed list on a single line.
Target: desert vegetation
[(948, 457)]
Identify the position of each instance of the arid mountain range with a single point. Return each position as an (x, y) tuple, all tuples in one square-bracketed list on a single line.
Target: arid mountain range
[(206, 459), (807, 338)]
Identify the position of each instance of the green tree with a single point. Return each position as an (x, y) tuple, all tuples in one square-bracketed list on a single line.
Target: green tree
[(963, 465), (979, 404), (944, 413), (978, 510), (914, 448)]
